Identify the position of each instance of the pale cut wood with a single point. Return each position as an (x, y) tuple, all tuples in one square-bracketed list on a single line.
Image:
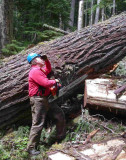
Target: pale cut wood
[(100, 93)]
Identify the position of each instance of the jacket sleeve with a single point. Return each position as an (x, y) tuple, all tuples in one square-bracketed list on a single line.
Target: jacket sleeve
[(39, 77), (47, 68)]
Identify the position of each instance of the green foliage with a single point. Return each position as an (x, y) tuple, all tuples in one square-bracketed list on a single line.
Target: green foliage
[(12, 48), (30, 15), (43, 36), (14, 145)]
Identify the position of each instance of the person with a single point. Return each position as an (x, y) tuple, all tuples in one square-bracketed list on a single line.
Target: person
[(39, 90)]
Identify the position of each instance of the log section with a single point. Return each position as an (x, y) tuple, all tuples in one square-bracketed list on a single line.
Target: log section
[(100, 94)]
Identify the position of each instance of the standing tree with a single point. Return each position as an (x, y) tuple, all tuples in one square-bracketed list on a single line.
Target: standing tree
[(91, 19), (103, 14), (97, 12), (72, 11), (86, 14), (80, 14), (114, 5), (6, 22)]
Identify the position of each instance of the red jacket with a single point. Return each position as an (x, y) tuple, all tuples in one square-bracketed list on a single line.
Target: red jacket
[(38, 77)]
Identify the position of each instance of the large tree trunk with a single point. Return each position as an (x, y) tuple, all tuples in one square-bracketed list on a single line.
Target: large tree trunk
[(98, 47)]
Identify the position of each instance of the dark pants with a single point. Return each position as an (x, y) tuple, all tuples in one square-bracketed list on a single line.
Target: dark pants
[(40, 109)]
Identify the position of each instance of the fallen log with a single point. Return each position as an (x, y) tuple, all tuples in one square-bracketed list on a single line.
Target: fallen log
[(99, 46), (55, 29)]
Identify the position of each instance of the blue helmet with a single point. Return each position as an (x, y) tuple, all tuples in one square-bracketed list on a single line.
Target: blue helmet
[(31, 56)]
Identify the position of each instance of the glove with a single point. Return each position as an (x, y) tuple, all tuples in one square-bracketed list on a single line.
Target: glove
[(57, 81), (44, 57)]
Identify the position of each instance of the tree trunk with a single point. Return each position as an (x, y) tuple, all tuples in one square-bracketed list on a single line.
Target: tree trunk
[(97, 12), (2, 25), (71, 56), (103, 14), (91, 19), (60, 22), (80, 14), (86, 14), (6, 22), (72, 10), (114, 6)]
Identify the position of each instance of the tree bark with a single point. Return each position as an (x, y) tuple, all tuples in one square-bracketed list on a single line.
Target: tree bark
[(80, 14), (97, 47)]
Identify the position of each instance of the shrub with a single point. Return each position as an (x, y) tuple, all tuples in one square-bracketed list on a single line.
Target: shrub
[(13, 48)]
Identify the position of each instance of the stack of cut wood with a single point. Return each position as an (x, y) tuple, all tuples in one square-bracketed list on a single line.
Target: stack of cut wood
[(103, 94)]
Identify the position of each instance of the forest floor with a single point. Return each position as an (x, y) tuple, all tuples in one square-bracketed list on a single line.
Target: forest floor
[(13, 141)]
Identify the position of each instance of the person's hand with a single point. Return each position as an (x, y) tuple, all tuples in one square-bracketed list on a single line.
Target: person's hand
[(44, 57), (57, 81)]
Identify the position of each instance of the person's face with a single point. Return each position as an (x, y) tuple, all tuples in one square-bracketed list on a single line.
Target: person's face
[(39, 61)]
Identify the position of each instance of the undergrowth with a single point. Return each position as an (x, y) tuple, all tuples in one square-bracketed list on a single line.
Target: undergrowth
[(13, 48), (13, 142)]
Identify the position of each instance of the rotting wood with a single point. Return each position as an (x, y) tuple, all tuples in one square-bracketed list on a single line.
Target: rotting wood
[(71, 56)]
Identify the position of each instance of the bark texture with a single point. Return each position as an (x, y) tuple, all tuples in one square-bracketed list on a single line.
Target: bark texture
[(71, 56)]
